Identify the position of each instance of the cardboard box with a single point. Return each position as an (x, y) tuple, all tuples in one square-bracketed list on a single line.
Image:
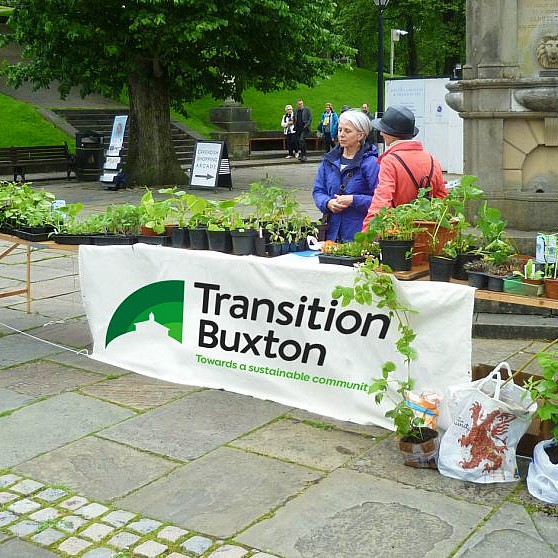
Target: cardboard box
[(538, 430)]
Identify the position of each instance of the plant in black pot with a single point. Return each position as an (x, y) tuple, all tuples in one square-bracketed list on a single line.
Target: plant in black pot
[(418, 444), (120, 224), (348, 253), (395, 229), (185, 205)]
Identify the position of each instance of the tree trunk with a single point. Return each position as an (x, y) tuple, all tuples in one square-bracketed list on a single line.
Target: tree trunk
[(151, 159)]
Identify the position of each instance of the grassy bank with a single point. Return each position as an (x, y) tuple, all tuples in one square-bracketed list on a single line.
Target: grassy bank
[(22, 125)]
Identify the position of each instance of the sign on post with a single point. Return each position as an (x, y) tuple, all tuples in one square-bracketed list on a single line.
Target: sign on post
[(210, 165)]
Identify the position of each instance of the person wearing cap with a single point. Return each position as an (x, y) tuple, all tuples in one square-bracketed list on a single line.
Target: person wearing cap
[(404, 165), (287, 123), (346, 178)]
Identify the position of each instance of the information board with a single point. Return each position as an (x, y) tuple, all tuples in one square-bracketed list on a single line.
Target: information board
[(210, 165)]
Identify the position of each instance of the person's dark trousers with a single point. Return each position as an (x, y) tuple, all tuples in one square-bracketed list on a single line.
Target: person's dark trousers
[(292, 144), (327, 142), (302, 144)]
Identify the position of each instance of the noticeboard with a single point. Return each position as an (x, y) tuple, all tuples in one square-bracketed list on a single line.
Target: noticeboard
[(210, 165)]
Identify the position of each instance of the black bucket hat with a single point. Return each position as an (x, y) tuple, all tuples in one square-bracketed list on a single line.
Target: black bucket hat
[(397, 121)]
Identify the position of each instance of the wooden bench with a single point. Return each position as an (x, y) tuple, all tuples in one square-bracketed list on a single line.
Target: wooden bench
[(42, 158), (278, 142)]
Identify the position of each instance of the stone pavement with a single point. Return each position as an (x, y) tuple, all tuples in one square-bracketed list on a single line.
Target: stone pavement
[(98, 462)]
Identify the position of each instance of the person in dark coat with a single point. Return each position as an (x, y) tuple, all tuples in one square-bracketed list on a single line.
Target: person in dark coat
[(303, 127), (346, 178)]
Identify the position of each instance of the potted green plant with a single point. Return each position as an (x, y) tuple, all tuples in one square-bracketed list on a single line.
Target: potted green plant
[(395, 229), (153, 215), (348, 253), (530, 278), (185, 205), (120, 224), (373, 285)]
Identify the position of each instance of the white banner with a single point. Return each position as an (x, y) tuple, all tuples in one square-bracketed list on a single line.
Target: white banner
[(266, 327)]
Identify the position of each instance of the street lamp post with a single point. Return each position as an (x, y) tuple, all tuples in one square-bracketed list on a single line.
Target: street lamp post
[(395, 36), (381, 4)]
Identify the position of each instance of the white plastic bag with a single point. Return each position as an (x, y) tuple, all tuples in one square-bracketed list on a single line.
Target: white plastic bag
[(542, 478), (487, 421)]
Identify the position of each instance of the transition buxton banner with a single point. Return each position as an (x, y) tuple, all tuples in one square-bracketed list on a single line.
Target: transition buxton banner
[(268, 328)]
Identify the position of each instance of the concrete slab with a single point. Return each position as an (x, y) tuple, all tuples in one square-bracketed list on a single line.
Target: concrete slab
[(83, 362), (374, 517), (49, 424), (97, 468), (384, 460), (38, 272), (44, 377), (55, 287), (509, 528), (17, 349), (22, 549), (59, 307), (195, 424), (137, 391), (322, 421), (304, 444), (222, 492), (494, 351), (21, 321), (11, 399), (73, 333)]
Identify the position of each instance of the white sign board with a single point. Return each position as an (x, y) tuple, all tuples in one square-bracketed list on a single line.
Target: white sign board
[(205, 165), (440, 127), (267, 327), (117, 135)]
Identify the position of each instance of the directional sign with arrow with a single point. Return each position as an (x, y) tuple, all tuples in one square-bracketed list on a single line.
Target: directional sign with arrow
[(210, 158)]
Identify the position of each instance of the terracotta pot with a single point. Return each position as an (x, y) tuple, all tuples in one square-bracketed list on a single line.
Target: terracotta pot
[(423, 455), (423, 238), (551, 288)]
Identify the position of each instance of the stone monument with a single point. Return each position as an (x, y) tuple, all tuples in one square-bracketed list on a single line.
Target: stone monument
[(508, 99), (237, 124)]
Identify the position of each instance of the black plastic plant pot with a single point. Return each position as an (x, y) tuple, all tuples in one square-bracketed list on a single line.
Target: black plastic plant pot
[(243, 242), (219, 241), (160, 240), (397, 254), (340, 260), (495, 283), (74, 239), (440, 268), (261, 246), (274, 249), (477, 279), (462, 259), (113, 240), (198, 239), (180, 237)]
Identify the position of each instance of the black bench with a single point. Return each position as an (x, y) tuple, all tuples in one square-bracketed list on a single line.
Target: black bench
[(42, 158)]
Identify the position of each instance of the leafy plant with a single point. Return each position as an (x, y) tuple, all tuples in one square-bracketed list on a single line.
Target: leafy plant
[(185, 204), (544, 389), (154, 214), (530, 271), (373, 286), (393, 223)]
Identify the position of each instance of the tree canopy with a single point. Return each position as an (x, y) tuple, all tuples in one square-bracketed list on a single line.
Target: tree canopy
[(436, 39), (167, 52)]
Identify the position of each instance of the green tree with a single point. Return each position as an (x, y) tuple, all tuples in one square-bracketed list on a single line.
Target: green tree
[(436, 39), (167, 52)]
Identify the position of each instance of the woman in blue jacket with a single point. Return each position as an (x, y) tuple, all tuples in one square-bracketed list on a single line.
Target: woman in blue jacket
[(328, 126), (347, 177)]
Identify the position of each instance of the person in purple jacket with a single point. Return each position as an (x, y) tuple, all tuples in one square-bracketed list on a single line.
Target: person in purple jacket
[(346, 178)]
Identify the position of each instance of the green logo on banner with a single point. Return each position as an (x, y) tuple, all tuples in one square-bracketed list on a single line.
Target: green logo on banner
[(165, 300)]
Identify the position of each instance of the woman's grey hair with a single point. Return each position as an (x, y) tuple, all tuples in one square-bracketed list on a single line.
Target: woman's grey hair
[(358, 119)]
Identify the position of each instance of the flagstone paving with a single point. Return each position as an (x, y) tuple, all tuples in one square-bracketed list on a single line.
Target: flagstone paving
[(98, 462)]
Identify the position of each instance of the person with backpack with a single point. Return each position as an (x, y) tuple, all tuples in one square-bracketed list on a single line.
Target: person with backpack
[(405, 166)]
